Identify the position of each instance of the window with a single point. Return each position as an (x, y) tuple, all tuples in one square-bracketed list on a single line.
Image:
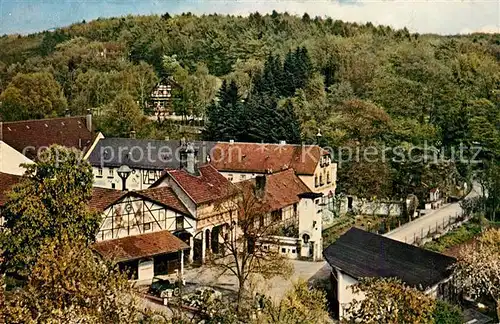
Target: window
[(230, 177), (328, 180), (316, 184), (179, 223), (293, 251), (99, 172), (113, 185), (283, 250), (242, 177), (321, 180), (111, 173), (151, 176), (276, 215), (147, 226)]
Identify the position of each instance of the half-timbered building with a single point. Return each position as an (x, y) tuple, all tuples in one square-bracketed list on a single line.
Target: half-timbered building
[(147, 159), (208, 196), (143, 230)]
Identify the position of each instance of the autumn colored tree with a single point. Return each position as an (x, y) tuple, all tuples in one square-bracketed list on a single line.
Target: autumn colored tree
[(301, 304), (51, 201), (69, 283), (388, 300), (244, 255), (477, 271)]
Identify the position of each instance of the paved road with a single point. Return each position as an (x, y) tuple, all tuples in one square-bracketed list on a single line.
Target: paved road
[(276, 287), (409, 231)]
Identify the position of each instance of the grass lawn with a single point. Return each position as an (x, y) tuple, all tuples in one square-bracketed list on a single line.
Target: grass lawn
[(455, 237), (366, 222)]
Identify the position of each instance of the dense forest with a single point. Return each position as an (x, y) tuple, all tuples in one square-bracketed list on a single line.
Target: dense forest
[(269, 78)]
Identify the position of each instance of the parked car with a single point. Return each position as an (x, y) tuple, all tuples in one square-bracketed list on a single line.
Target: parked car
[(162, 288)]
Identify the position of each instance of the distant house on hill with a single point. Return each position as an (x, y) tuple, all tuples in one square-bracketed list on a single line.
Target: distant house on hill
[(160, 101), (358, 254)]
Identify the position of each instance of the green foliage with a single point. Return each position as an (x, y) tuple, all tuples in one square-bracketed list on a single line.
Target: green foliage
[(51, 201), (122, 116), (445, 313), (387, 300), (300, 305), (70, 283), (32, 96), (455, 237)]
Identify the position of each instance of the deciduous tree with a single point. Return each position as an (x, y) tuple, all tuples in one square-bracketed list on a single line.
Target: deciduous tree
[(387, 300), (51, 201)]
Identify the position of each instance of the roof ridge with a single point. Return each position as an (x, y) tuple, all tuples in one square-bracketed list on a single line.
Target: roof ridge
[(43, 119)]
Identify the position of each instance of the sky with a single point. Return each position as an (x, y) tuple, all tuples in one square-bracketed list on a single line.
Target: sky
[(422, 16)]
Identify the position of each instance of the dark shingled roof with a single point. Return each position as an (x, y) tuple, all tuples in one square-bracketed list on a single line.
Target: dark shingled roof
[(143, 153), (140, 246), (28, 136), (363, 254)]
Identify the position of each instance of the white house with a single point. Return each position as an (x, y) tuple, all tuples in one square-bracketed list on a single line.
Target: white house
[(208, 196), (143, 231), (358, 254), (11, 160), (147, 159), (288, 206), (313, 165)]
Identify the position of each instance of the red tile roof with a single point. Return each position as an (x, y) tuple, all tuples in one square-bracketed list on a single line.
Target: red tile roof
[(281, 190), (102, 198), (266, 158), (208, 186), (30, 135), (166, 197), (140, 246), (6, 183)]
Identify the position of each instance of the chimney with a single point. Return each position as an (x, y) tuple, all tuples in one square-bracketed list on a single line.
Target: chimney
[(260, 185), (67, 113), (132, 134), (88, 120), (190, 159)]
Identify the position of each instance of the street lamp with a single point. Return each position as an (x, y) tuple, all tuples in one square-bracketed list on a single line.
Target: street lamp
[(124, 172)]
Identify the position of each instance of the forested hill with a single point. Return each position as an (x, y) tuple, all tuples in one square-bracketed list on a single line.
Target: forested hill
[(425, 86)]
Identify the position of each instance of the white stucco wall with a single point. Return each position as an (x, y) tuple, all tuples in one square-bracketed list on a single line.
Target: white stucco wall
[(10, 160), (344, 293), (310, 223), (135, 181), (157, 217)]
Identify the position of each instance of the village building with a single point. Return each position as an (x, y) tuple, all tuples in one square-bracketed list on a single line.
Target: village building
[(312, 164), (358, 254), (11, 160), (290, 217), (210, 199), (160, 101), (142, 230), (146, 158), (31, 137)]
